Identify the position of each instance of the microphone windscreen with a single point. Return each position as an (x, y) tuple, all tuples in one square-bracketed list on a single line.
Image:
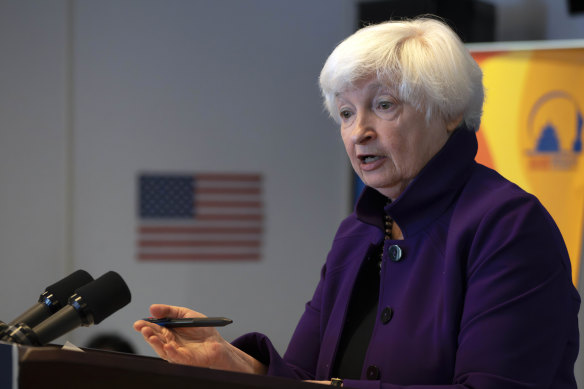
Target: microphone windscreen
[(61, 290), (105, 295)]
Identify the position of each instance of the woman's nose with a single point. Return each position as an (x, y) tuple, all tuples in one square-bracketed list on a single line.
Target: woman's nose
[(364, 130)]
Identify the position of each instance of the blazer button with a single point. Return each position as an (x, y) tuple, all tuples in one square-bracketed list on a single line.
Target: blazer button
[(372, 372), (386, 315), (395, 253)]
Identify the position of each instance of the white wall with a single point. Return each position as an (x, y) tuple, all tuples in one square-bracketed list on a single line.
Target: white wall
[(95, 92), (208, 86), (33, 146)]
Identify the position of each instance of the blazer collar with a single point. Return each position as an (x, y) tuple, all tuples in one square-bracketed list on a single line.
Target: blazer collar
[(430, 193)]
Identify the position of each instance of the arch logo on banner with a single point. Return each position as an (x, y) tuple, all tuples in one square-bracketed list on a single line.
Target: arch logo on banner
[(531, 131)]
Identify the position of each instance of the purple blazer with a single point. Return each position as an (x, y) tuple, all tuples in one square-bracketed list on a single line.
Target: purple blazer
[(478, 294)]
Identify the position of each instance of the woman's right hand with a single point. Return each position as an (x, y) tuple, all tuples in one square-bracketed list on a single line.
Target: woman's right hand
[(196, 346)]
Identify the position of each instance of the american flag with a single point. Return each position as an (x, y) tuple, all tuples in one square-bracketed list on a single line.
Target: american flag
[(205, 216)]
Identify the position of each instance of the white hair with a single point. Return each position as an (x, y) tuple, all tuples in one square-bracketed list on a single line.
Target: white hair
[(423, 60)]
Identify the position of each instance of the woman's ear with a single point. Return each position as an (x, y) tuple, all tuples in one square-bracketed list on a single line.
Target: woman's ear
[(453, 124)]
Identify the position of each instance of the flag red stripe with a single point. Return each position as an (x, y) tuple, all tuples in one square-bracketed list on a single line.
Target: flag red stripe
[(228, 177), (190, 257), (230, 204), (220, 190), (229, 217), (199, 243), (200, 230)]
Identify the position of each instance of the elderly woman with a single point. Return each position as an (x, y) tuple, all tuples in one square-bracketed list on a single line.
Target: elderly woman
[(446, 274)]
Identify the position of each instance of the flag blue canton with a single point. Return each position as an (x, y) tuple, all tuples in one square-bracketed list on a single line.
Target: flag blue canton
[(166, 197)]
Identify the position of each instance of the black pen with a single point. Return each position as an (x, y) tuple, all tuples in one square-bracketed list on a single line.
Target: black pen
[(191, 322)]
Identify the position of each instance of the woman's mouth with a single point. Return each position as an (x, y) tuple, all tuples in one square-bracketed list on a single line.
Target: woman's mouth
[(370, 158), (371, 162)]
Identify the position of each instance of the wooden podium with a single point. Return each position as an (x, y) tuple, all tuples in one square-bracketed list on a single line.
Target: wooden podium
[(52, 367)]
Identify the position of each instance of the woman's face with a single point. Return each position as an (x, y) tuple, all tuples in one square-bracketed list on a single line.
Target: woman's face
[(388, 141)]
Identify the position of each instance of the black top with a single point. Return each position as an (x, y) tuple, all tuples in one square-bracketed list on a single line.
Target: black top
[(360, 320)]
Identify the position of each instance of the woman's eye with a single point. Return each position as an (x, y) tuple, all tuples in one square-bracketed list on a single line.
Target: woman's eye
[(384, 105), (345, 114)]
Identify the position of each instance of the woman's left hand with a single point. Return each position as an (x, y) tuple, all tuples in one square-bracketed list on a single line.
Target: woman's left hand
[(196, 346)]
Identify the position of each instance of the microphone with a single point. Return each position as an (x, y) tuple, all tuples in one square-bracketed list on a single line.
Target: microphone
[(90, 304), (50, 301)]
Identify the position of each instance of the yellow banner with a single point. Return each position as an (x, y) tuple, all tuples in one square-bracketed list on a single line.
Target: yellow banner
[(531, 131)]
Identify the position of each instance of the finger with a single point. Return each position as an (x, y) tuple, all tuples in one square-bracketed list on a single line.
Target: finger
[(158, 347), (139, 324), (162, 310), (155, 341), (149, 331)]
